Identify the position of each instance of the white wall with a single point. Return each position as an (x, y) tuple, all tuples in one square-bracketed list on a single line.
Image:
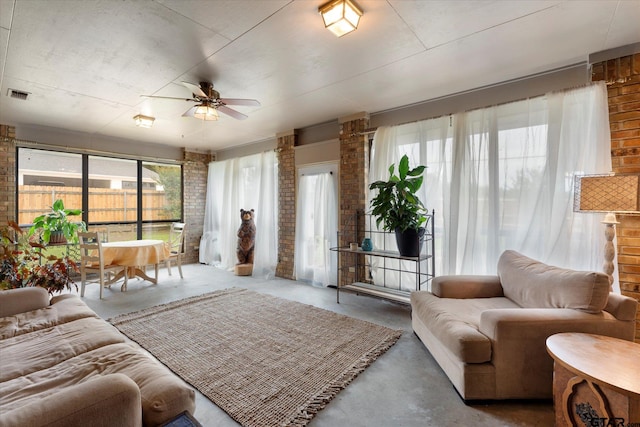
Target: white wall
[(320, 152), (88, 142)]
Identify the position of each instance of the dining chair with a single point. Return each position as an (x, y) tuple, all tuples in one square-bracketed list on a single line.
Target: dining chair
[(176, 246), (103, 233), (92, 261)]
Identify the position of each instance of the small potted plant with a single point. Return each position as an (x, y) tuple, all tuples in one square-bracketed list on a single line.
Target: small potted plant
[(25, 263), (55, 225), (397, 207)]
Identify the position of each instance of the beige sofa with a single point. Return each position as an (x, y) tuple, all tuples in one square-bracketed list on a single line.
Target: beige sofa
[(61, 365), (488, 332)]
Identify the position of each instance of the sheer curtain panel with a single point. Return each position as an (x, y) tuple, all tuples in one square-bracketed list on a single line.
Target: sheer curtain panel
[(316, 229), (502, 178), (249, 182)]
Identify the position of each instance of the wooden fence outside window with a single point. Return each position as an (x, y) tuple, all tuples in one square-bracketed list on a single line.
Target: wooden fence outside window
[(105, 205)]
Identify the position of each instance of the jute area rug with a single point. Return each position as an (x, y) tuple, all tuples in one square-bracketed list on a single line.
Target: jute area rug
[(264, 360)]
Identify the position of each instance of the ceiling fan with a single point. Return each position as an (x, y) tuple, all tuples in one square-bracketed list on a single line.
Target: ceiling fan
[(209, 102)]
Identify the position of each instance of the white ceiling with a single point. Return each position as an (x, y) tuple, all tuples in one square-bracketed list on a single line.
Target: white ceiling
[(85, 63)]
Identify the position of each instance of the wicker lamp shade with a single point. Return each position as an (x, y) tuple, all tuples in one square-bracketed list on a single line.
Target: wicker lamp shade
[(608, 193)]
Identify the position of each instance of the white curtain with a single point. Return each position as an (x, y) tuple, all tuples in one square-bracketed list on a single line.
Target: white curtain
[(502, 178), (316, 229), (249, 182), (426, 143)]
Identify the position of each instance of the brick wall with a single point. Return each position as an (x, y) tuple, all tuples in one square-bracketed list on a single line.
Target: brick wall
[(286, 204), (353, 183), (623, 85), (7, 174), (195, 171)]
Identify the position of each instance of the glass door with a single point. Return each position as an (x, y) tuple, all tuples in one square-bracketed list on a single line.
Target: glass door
[(316, 225)]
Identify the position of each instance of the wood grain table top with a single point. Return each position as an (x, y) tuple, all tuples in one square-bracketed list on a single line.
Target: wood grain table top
[(611, 362)]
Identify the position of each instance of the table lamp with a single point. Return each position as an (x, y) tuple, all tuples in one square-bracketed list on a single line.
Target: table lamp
[(611, 194)]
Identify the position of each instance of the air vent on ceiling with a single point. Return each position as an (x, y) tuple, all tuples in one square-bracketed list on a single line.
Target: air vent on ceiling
[(18, 94)]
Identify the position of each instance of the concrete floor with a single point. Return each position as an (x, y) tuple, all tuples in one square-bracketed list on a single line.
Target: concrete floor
[(404, 387)]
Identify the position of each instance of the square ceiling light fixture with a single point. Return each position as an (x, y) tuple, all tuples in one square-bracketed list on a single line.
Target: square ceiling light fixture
[(340, 16), (144, 121), (205, 112)]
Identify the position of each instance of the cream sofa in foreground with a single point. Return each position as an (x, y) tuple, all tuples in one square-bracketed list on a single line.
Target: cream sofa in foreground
[(61, 365), (488, 333)]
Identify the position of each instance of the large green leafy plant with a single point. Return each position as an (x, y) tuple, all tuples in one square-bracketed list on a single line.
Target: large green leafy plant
[(397, 206), (57, 222), (25, 263)]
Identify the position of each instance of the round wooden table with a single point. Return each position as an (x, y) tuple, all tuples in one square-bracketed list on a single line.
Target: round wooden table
[(595, 377)]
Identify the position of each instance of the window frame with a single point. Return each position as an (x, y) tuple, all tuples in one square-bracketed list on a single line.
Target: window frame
[(139, 222)]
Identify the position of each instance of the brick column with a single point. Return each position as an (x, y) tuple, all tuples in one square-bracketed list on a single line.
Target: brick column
[(7, 174), (353, 183), (623, 86), (195, 171), (286, 203)]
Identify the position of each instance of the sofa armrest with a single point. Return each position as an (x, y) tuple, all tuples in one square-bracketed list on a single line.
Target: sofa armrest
[(110, 400), (622, 307), (539, 323), (466, 287), (518, 343), (21, 300)]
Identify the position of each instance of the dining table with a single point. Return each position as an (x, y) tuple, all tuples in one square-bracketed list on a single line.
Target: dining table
[(134, 256)]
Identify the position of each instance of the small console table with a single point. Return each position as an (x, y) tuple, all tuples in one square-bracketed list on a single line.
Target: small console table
[(596, 380)]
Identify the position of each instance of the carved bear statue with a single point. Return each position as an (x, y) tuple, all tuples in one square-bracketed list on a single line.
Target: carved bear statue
[(246, 237)]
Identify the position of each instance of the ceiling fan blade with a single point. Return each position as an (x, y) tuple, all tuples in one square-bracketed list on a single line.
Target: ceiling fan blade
[(233, 113), (235, 101), (190, 112), (195, 89), (169, 97)]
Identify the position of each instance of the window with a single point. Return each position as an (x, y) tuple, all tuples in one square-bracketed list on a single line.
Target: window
[(500, 178), (43, 177), (162, 192), (109, 190), (161, 199)]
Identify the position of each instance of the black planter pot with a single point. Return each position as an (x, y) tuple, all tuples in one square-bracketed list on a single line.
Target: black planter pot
[(410, 241)]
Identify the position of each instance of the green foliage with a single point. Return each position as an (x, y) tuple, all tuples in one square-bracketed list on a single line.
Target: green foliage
[(57, 220), (397, 206), (171, 179), (25, 263)]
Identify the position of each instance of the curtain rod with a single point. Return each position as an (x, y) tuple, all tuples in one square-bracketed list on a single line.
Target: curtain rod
[(315, 173), (450, 115)]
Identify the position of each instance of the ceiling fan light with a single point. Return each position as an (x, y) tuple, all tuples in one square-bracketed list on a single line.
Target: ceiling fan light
[(205, 112), (340, 16), (144, 121)]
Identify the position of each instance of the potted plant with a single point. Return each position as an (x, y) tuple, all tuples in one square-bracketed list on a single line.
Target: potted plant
[(55, 225), (24, 263), (398, 208)]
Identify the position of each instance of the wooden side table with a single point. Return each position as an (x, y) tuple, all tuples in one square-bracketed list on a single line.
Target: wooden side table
[(596, 380)]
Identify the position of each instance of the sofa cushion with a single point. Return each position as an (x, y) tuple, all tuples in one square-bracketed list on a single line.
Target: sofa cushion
[(163, 394), (455, 322), (61, 311), (38, 350), (23, 299), (533, 284)]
